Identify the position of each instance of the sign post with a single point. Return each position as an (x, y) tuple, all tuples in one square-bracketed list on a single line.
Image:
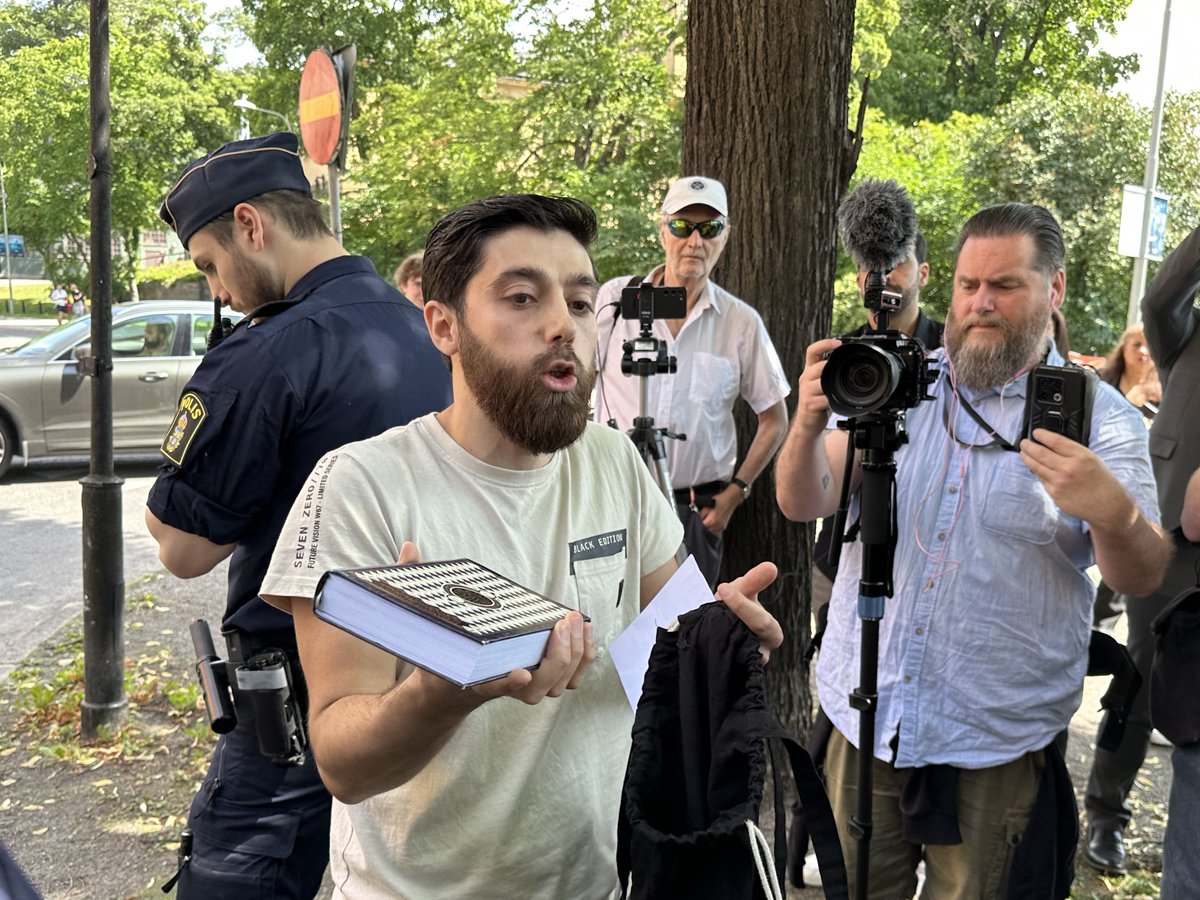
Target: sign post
[(326, 96), (7, 247)]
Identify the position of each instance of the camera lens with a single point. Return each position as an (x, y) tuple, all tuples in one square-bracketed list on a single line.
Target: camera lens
[(1050, 388), (860, 378)]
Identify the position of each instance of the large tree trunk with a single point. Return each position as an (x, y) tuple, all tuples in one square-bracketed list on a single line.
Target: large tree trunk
[(766, 111)]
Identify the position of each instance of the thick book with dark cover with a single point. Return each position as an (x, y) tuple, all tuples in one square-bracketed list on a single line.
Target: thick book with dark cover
[(455, 618)]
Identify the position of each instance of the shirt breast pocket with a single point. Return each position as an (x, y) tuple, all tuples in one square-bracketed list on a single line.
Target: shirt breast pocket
[(714, 382), (600, 589), (1015, 505)]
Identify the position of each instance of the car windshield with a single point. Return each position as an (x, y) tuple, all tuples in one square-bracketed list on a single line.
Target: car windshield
[(54, 338)]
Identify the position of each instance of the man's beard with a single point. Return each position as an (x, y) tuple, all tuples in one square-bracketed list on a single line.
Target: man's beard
[(514, 398), (984, 364), (256, 284)]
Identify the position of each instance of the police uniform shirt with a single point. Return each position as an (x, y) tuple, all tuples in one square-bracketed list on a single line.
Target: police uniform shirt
[(345, 359)]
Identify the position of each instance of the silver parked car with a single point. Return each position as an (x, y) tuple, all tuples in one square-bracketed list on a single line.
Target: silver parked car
[(46, 402)]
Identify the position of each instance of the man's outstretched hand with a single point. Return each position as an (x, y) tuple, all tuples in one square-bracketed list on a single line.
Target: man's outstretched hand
[(741, 596)]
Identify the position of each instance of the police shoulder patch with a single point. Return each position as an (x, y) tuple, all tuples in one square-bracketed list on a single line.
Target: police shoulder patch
[(188, 419)]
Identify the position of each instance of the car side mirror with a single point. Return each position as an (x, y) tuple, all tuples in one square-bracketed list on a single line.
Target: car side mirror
[(83, 351)]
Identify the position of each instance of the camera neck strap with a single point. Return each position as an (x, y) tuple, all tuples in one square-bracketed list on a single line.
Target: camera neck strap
[(998, 440)]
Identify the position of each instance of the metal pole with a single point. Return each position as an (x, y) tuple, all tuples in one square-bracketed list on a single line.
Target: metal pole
[(7, 249), (335, 201), (104, 703), (1137, 285)]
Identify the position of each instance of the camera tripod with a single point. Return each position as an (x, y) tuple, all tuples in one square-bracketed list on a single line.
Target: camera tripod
[(646, 436), (878, 435), (872, 379)]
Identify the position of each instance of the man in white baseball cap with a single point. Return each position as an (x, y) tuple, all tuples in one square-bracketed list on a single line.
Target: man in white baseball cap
[(723, 352)]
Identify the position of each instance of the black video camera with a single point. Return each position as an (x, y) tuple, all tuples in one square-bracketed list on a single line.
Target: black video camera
[(880, 371), (883, 372)]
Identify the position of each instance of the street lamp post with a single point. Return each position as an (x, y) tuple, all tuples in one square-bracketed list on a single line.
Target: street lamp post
[(7, 248), (243, 102), (1137, 285)]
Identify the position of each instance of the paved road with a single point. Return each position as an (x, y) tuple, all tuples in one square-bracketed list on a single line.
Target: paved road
[(41, 542), (16, 331), (41, 550)]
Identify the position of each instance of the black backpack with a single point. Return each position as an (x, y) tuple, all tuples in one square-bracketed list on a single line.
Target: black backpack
[(694, 783)]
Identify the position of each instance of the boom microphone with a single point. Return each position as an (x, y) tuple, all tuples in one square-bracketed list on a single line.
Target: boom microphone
[(878, 225)]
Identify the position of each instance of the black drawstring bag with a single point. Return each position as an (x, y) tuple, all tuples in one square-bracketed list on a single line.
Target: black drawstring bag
[(694, 783), (1175, 672)]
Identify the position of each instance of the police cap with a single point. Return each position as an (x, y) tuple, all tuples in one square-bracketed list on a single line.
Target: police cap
[(216, 183)]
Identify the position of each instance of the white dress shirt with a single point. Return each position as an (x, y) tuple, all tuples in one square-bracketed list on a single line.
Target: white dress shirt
[(723, 352)]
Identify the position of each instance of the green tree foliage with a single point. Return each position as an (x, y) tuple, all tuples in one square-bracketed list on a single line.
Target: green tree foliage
[(385, 33), (973, 56), (168, 102), (1072, 154), (583, 107), (33, 24), (450, 137), (874, 23), (933, 161)]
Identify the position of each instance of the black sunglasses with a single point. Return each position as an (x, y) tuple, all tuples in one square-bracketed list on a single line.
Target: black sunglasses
[(682, 228)]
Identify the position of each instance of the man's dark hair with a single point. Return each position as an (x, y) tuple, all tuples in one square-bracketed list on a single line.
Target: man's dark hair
[(1008, 219), (299, 214), (920, 250), (453, 252)]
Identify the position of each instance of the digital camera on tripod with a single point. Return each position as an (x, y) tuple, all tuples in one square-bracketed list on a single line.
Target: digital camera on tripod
[(881, 371), (872, 380), (645, 356)]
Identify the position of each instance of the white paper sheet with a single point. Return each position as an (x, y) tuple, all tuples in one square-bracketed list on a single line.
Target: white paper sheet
[(630, 650)]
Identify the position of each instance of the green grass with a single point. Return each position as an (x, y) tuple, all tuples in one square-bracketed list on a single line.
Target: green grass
[(29, 300)]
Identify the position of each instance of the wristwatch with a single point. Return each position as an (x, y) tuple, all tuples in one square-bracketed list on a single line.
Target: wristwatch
[(745, 487)]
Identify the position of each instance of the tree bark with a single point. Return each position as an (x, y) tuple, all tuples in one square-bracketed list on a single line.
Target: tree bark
[(766, 113)]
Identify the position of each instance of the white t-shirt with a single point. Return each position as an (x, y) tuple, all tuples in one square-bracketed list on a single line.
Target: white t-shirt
[(723, 351), (522, 801)]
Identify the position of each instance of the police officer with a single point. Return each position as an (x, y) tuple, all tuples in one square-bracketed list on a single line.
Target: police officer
[(327, 353)]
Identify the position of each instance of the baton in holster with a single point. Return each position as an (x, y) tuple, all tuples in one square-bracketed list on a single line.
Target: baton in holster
[(214, 680)]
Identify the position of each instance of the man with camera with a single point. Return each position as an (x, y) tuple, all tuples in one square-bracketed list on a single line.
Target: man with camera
[(722, 350), (984, 645), (328, 353), (906, 279)]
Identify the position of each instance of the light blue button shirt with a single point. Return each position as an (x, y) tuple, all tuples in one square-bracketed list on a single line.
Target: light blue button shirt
[(983, 647)]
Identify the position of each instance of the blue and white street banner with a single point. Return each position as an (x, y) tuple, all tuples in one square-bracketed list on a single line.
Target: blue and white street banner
[(1133, 207)]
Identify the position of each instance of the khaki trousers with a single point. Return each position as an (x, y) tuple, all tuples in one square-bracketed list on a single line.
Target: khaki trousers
[(994, 806)]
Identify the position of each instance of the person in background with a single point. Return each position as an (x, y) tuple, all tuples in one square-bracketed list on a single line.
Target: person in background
[(1172, 328), (1130, 370), (408, 278), (62, 303), (724, 353), (328, 352), (78, 301)]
